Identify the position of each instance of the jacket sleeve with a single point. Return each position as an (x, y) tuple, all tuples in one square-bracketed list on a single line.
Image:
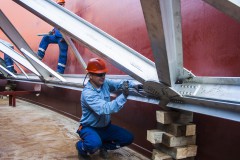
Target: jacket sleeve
[(101, 106), (117, 84)]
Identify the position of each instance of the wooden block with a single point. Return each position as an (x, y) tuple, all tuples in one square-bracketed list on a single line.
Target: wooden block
[(154, 136), (179, 152), (172, 141), (158, 155), (177, 129), (191, 129), (189, 158), (157, 136), (167, 117)]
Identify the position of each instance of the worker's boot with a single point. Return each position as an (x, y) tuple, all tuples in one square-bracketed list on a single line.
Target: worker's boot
[(81, 156), (103, 153)]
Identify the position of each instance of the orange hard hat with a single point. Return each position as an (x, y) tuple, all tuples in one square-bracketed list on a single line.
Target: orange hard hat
[(96, 65), (60, 1)]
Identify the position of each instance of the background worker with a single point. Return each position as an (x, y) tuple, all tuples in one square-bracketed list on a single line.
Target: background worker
[(95, 130), (8, 62), (55, 37)]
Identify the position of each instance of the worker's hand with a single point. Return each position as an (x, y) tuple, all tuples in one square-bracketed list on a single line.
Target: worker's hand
[(51, 32), (125, 90), (138, 87)]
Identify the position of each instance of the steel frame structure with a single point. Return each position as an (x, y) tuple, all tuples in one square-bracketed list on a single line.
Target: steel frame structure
[(165, 81)]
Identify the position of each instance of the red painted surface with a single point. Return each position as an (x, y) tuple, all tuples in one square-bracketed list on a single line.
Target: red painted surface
[(211, 48), (210, 40)]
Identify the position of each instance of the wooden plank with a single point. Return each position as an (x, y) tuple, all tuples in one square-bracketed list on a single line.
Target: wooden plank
[(172, 141), (177, 129), (157, 136), (179, 152), (154, 136), (167, 117), (158, 155)]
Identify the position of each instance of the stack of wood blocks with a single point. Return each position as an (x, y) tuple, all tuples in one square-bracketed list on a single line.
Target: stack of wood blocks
[(175, 136)]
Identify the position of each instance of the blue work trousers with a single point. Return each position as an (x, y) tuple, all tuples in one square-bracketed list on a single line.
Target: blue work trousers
[(63, 48), (110, 137), (9, 63)]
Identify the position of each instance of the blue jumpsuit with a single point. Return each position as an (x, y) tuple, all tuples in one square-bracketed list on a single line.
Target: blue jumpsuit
[(56, 38), (8, 60), (96, 129), (9, 63)]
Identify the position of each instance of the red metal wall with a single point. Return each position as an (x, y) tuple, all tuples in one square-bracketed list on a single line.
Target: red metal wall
[(211, 48), (210, 40)]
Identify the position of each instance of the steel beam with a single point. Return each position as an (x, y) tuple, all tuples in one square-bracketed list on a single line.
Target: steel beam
[(17, 57), (7, 71), (75, 51), (229, 7), (226, 110), (40, 63), (163, 21)]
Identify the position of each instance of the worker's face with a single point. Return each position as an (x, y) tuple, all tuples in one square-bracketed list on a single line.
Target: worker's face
[(97, 79)]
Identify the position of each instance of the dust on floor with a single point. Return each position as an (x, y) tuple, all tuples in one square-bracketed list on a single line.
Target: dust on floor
[(31, 132)]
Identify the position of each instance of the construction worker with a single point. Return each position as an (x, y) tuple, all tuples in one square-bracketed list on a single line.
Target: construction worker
[(8, 62), (96, 130), (55, 37)]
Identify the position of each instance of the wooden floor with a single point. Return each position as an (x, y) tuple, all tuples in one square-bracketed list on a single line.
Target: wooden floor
[(31, 132)]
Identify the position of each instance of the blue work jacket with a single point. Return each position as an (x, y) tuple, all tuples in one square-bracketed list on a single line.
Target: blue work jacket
[(96, 105), (57, 33)]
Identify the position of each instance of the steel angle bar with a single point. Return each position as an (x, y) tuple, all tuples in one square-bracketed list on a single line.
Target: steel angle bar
[(229, 7), (18, 58), (221, 109), (163, 20), (42, 65), (7, 71), (11, 32), (75, 82), (217, 92), (214, 80), (21, 70), (117, 53), (75, 51)]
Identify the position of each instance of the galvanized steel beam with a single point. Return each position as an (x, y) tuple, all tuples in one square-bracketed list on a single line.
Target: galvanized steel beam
[(75, 51), (163, 21), (229, 7), (17, 57)]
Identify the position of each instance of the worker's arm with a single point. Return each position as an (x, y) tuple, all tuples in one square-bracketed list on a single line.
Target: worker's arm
[(117, 84), (94, 101)]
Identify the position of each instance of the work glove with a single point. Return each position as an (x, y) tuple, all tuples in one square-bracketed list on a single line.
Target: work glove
[(138, 87), (125, 90)]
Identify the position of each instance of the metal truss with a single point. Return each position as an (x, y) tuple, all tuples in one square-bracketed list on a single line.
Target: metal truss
[(165, 81)]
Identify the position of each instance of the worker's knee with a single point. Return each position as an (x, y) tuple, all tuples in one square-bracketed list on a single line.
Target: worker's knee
[(128, 139), (93, 145), (63, 46)]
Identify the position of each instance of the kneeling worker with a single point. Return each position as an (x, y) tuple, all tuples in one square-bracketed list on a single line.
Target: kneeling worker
[(96, 130)]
